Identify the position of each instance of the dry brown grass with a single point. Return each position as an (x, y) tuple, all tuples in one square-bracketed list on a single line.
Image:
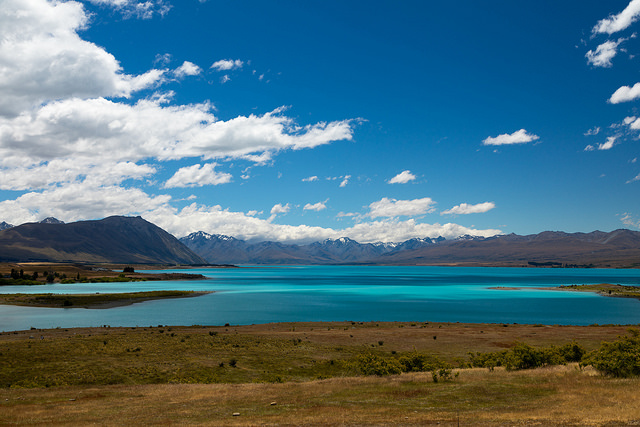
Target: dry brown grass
[(554, 396), (563, 395)]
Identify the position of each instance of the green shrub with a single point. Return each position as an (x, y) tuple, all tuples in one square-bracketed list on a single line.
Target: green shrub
[(370, 364), (524, 356), (620, 359), (418, 362)]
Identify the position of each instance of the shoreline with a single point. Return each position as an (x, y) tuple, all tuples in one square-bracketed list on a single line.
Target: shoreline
[(93, 301), (602, 289)]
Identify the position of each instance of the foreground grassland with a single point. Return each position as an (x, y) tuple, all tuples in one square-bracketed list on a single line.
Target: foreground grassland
[(302, 373)]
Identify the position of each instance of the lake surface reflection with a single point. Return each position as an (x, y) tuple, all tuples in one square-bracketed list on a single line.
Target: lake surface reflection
[(261, 294)]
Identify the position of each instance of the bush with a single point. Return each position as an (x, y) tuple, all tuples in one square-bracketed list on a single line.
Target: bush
[(619, 359), (524, 356), (370, 364), (416, 362)]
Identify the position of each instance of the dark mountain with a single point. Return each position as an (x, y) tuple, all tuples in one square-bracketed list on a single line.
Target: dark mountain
[(345, 250), (221, 249), (115, 239), (51, 220), (5, 226), (620, 248)]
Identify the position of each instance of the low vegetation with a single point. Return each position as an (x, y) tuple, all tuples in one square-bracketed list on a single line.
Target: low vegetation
[(321, 374), (605, 289), (97, 300)]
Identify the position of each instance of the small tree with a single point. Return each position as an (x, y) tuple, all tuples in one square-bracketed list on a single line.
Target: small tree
[(620, 359)]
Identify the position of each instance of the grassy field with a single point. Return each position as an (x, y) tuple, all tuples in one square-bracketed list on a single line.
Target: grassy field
[(301, 373)]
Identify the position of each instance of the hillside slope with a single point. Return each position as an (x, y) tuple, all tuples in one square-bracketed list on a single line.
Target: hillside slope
[(115, 239)]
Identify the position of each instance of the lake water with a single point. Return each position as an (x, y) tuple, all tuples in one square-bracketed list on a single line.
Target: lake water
[(251, 295)]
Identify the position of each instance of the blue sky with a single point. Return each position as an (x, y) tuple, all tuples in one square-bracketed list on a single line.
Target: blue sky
[(300, 121)]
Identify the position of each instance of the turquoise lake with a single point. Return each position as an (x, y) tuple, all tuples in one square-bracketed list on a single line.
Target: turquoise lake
[(258, 294)]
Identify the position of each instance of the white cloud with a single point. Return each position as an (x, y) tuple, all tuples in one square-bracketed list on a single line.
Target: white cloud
[(518, 137), (593, 131), (636, 178), (101, 129), (310, 179), (607, 145), (227, 64), (280, 209), (345, 181), (64, 171), (629, 220), (136, 9), (604, 54), (621, 21), (389, 208), (625, 94), (224, 79), (187, 69), (465, 209), (315, 207), (78, 201), (42, 58), (214, 219), (402, 178), (603, 146), (198, 176)]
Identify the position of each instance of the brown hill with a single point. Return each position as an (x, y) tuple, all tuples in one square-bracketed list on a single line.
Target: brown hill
[(115, 239), (620, 248)]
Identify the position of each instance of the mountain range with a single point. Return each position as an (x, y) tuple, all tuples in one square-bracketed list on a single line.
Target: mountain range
[(116, 239), (619, 248), (133, 240)]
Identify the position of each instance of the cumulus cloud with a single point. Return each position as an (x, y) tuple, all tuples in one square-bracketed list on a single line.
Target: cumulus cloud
[(280, 209), (625, 94), (100, 128), (187, 69), (42, 58), (402, 178), (603, 54), (78, 201), (310, 179), (465, 208), (389, 208), (198, 176), (315, 207), (518, 137), (215, 219), (59, 172), (621, 21), (345, 181), (227, 64), (603, 146), (136, 9), (607, 145)]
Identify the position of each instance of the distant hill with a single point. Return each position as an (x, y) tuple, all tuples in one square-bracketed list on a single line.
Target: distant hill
[(620, 248), (5, 226), (115, 239)]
